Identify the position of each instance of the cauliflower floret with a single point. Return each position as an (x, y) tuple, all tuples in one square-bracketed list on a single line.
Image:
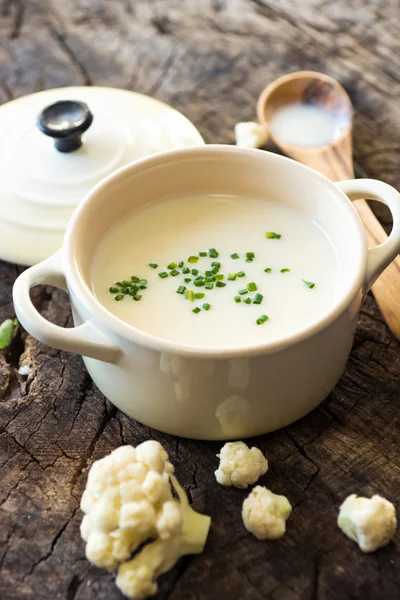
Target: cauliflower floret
[(240, 465), (371, 522), (264, 513), (128, 501), (251, 135)]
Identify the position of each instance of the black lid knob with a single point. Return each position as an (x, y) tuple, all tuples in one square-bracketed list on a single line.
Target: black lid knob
[(66, 121)]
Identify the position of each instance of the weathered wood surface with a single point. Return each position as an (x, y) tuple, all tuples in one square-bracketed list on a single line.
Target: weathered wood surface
[(209, 59)]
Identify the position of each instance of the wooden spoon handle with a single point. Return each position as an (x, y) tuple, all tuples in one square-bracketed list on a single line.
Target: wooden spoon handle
[(386, 289)]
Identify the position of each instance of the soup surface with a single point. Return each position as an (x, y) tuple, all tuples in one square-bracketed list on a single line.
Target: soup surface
[(274, 272)]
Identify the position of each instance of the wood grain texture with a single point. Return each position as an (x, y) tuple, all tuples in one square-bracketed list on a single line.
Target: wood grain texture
[(210, 59)]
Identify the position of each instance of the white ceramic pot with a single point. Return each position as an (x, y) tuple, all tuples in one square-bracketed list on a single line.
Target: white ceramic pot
[(212, 394)]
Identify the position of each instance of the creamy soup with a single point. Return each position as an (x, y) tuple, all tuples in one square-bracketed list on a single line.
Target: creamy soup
[(274, 271)]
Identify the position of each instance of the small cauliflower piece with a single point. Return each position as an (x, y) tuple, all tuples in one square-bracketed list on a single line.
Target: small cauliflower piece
[(371, 522), (251, 135), (240, 465), (128, 502), (265, 513)]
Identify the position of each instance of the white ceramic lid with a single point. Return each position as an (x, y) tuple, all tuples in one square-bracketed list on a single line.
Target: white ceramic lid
[(40, 186)]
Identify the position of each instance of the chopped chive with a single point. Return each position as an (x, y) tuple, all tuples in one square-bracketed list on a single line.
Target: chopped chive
[(181, 289), (238, 299), (219, 277), (309, 284), (243, 292), (134, 279), (202, 254), (206, 306), (163, 274), (172, 265), (235, 255), (119, 297), (187, 279), (134, 290), (193, 259), (258, 298), (113, 290), (271, 235), (250, 255), (209, 285), (153, 265), (213, 253), (214, 270), (195, 271), (232, 276), (208, 273), (248, 300), (241, 274), (285, 270), (129, 283), (196, 310), (174, 272), (220, 284), (215, 263), (262, 319), (268, 270), (199, 295), (185, 270), (119, 283), (199, 282), (180, 265), (143, 282), (251, 286), (189, 295), (137, 297)]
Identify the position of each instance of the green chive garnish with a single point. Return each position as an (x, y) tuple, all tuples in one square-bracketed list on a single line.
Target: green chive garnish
[(219, 277), (199, 282), (262, 319), (172, 265), (174, 272), (206, 306), (251, 286), (309, 284), (129, 283), (137, 297), (271, 235), (208, 273), (215, 263), (250, 255), (248, 301), (232, 276), (185, 270), (285, 270), (268, 270), (134, 279), (119, 297), (199, 295), (193, 259), (214, 270), (180, 265), (243, 292), (235, 255), (196, 310), (119, 283), (209, 285), (181, 289), (220, 284), (258, 298), (195, 271), (189, 295), (241, 274), (163, 274), (202, 253), (114, 290), (213, 253), (143, 282), (153, 265), (187, 279), (238, 299)]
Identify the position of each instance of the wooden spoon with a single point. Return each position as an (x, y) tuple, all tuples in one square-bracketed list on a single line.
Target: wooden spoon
[(334, 160)]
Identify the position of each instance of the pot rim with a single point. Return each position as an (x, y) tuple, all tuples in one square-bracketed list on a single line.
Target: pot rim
[(80, 290)]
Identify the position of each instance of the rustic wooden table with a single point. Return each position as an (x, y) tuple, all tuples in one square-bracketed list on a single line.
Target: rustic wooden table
[(209, 59)]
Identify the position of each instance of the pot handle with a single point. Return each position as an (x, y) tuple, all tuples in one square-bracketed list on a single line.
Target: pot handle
[(379, 257), (84, 339)]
